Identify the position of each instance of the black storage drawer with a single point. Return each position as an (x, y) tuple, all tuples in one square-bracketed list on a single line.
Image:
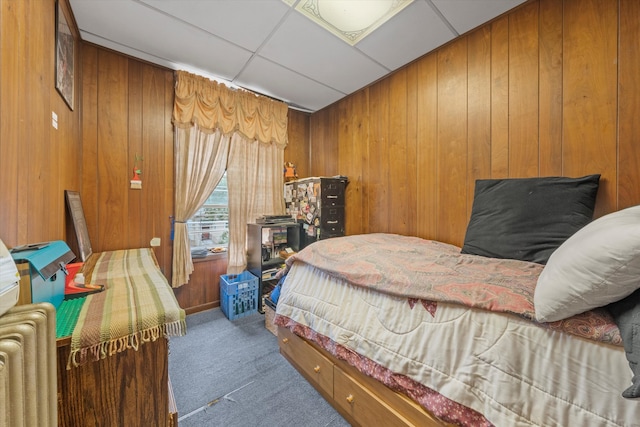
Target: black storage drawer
[(332, 220), (318, 205), (332, 193)]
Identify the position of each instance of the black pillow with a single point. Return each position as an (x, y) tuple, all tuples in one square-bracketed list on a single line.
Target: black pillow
[(528, 218)]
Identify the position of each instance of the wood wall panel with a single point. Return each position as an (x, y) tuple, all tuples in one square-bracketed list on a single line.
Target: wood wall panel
[(89, 64), (629, 105), (351, 135), (411, 125), (113, 154), (500, 98), (12, 107), (40, 180), (153, 131), (426, 150), (523, 92), (203, 290), (379, 207), (127, 108), (134, 99), (479, 109), (297, 151), (550, 88), (37, 161), (542, 90), (323, 148), (452, 150), (401, 153), (590, 94)]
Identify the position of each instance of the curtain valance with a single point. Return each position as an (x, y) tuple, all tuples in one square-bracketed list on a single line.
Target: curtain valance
[(212, 105)]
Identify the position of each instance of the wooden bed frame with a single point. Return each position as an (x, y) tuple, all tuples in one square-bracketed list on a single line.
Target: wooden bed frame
[(361, 400)]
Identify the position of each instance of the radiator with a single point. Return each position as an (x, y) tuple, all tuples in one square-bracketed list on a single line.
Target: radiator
[(28, 377)]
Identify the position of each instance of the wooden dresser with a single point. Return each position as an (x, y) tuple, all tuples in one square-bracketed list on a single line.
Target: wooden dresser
[(120, 376), (130, 388)]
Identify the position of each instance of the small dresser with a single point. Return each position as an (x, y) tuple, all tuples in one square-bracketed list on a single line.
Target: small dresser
[(318, 204)]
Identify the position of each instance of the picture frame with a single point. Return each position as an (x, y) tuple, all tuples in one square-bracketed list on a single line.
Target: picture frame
[(76, 214), (65, 57)]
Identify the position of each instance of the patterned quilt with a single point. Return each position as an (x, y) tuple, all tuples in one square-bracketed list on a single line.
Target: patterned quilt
[(432, 271)]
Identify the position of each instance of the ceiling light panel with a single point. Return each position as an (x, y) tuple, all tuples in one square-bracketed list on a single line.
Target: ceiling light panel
[(350, 20)]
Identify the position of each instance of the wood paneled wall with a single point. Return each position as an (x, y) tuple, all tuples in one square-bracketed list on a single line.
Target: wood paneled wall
[(37, 161), (127, 106), (550, 88), (297, 151)]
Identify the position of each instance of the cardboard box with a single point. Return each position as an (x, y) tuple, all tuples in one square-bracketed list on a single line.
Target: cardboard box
[(269, 315)]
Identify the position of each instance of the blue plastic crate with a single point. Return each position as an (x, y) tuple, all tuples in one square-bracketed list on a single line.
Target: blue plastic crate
[(239, 295)]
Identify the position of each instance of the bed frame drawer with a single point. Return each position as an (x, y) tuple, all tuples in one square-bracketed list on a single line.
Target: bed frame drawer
[(361, 404), (316, 368), (361, 400)]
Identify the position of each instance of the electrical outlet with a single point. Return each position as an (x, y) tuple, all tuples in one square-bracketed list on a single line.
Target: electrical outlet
[(155, 242)]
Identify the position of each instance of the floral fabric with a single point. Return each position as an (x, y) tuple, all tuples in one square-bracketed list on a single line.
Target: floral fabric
[(433, 271)]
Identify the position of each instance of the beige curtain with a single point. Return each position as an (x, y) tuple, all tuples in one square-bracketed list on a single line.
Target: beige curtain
[(211, 106), (254, 131), (255, 183), (200, 162)]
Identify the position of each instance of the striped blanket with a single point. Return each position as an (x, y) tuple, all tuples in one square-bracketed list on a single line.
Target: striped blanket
[(137, 306)]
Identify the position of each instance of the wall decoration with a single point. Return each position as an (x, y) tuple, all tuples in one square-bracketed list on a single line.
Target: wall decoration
[(65, 49)]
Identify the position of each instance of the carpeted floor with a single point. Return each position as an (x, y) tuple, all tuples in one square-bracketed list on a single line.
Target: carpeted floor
[(231, 374)]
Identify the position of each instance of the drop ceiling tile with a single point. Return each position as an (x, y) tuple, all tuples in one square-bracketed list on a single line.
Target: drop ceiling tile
[(135, 27), (303, 46), (265, 77), (413, 32), (246, 23), (466, 15)]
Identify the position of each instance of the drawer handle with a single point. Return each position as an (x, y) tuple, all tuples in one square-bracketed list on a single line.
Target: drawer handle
[(350, 398), (285, 340), (332, 197), (332, 222), (316, 369)]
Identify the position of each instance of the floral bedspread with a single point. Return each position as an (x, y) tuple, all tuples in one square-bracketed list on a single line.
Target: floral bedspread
[(434, 272)]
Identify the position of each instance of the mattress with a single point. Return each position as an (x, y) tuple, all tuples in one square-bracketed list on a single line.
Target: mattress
[(511, 370)]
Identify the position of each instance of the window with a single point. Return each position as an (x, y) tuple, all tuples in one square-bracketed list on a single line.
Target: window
[(209, 227)]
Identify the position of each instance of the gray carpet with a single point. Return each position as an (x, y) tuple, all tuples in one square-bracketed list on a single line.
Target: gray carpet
[(231, 374)]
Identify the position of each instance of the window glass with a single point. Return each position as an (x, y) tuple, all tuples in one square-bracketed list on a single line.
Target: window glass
[(209, 227)]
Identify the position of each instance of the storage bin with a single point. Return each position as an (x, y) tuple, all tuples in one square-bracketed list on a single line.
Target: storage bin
[(43, 271), (238, 295)]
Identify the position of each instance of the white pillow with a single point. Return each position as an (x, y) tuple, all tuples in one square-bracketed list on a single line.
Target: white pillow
[(596, 266)]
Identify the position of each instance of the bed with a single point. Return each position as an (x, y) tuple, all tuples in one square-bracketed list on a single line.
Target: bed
[(398, 330)]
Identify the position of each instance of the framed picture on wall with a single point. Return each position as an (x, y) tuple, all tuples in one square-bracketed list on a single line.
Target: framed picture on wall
[(65, 50)]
